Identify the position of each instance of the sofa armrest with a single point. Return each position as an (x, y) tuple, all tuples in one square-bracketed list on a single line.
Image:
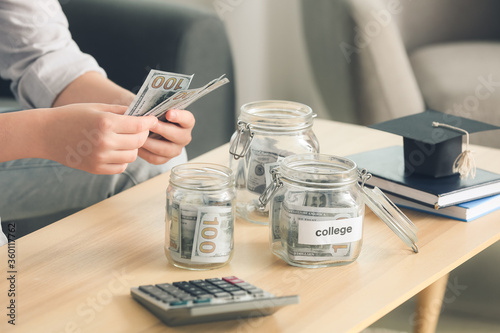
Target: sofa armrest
[(368, 53), (427, 22)]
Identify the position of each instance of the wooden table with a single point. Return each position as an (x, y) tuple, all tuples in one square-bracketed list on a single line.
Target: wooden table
[(75, 275)]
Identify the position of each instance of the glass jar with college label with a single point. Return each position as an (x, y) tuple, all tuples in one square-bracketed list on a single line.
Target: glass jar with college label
[(200, 216), (267, 132), (317, 207)]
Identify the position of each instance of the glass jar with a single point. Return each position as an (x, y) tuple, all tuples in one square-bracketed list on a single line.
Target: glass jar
[(267, 132), (200, 216), (317, 210)]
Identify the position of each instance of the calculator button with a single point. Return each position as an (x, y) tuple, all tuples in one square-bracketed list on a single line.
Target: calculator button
[(166, 286), (192, 290), (201, 284), (224, 284), (148, 289), (181, 285), (246, 286), (213, 290), (178, 303), (213, 280), (179, 293), (202, 300), (222, 295), (232, 279), (218, 283), (239, 293), (168, 298), (152, 290)]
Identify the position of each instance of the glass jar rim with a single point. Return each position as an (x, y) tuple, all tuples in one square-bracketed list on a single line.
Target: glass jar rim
[(201, 176), (277, 115), (319, 169)]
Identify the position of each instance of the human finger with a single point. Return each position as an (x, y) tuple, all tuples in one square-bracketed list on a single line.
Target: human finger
[(127, 141), (162, 147), (131, 124), (173, 133), (116, 156), (152, 158), (116, 109), (183, 118), (107, 168)]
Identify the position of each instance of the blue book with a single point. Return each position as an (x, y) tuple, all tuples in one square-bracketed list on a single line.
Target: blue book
[(387, 168), (466, 211)]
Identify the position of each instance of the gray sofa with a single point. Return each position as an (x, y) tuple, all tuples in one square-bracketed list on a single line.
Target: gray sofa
[(128, 38), (376, 60)]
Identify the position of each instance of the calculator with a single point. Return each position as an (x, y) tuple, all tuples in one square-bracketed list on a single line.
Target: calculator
[(200, 301)]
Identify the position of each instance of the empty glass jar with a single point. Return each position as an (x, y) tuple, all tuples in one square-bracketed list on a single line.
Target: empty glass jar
[(200, 216), (267, 132)]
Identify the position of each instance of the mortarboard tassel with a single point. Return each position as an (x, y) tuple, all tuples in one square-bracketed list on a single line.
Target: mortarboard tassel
[(464, 163)]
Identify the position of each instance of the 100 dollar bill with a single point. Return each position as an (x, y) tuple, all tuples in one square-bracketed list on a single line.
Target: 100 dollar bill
[(183, 98), (201, 234), (158, 87), (162, 91), (213, 237)]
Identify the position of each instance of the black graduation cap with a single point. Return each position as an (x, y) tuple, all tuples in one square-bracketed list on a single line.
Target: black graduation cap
[(432, 150)]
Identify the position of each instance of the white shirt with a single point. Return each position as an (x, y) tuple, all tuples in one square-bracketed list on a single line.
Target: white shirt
[(37, 52)]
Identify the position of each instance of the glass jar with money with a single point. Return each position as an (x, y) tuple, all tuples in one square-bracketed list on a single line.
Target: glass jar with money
[(200, 216), (267, 132), (317, 208)]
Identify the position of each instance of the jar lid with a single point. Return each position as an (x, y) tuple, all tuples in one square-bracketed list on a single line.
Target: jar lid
[(388, 212)]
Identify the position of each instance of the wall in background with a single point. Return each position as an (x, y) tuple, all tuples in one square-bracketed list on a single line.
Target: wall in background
[(269, 50)]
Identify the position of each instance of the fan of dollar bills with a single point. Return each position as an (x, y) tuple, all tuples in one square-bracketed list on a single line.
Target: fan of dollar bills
[(162, 91)]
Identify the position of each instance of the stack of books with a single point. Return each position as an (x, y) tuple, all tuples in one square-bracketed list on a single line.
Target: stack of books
[(450, 196)]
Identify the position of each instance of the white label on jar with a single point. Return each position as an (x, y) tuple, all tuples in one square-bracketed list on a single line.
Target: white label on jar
[(313, 232), (213, 237)]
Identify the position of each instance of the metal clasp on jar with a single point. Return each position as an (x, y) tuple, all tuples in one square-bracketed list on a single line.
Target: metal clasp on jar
[(268, 193), (243, 138), (364, 176)]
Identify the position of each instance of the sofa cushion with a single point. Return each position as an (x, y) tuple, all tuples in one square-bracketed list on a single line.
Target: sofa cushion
[(462, 79)]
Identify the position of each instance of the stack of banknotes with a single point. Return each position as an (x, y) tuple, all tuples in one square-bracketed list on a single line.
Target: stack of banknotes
[(162, 91)]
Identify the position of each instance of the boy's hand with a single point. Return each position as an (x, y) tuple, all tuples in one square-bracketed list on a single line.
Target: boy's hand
[(176, 133), (95, 138)]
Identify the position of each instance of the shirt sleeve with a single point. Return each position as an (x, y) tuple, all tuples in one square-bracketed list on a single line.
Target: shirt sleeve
[(37, 52)]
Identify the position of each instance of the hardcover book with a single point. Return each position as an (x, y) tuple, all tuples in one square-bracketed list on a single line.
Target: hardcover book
[(388, 173), (466, 211)]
